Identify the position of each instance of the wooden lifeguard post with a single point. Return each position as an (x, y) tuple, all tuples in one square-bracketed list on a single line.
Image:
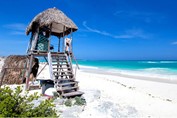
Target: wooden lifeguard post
[(53, 22)]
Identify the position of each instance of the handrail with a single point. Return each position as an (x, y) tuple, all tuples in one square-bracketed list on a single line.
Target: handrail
[(69, 56), (50, 65), (77, 66), (75, 61)]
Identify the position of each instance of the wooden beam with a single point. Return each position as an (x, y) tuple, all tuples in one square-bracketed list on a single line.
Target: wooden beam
[(34, 42), (29, 72)]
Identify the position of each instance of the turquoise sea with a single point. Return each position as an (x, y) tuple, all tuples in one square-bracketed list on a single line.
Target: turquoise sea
[(160, 68)]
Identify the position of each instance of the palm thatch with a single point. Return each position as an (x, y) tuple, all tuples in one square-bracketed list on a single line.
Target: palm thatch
[(55, 19), (14, 69)]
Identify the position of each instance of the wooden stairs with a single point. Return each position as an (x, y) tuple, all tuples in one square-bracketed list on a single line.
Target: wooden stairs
[(63, 76)]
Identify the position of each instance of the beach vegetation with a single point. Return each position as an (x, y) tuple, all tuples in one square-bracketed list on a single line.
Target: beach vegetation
[(15, 104), (79, 101), (68, 103)]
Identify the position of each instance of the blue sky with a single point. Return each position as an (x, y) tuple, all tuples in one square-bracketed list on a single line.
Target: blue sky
[(108, 29)]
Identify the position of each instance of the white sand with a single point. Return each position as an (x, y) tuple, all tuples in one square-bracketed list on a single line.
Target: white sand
[(112, 96), (117, 96), (148, 98), (139, 98)]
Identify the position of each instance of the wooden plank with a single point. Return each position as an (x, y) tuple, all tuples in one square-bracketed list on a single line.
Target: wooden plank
[(28, 72), (68, 83), (59, 57), (64, 75), (66, 71), (62, 68), (71, 94), (58, 60), (34, 87), (60, 64), (45, 54), (50, 65), (67, 88), (62, 79)]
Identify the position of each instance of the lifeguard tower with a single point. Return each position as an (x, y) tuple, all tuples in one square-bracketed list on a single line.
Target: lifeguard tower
[(53, 22)]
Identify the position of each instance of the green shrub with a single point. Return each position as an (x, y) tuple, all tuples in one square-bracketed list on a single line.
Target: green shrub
[(79, 101), (68, 102), (12, 104)]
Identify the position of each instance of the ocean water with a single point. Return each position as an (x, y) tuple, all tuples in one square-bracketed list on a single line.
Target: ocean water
[(161, 68), (150, 68)]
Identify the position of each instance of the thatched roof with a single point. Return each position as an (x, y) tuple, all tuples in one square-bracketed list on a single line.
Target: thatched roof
[(13, 70), (61, 24)]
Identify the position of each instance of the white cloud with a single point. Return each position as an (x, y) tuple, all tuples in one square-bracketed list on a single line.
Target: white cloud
[(174, 43), (140, 15), (16, 28), (133, 33), (17, 33)]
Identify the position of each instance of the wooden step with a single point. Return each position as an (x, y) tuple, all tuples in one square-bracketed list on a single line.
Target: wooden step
[(63, 56), (73, 94), (58, 55), (56, 61), (64, 64), (64, 75), (64, 78), (68, 83), (67, 88), (59, 64), (71, 77), (59, 60), (61, 79), (63, 71), (34, 87), (62, 68)]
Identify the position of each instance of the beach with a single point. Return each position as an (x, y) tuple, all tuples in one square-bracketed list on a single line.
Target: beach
[(112, 95), (139, 98)]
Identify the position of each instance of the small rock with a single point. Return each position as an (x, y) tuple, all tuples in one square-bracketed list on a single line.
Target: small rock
[(50, 92)]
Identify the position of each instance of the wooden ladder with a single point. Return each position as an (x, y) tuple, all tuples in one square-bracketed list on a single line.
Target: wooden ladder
[(64, 78)]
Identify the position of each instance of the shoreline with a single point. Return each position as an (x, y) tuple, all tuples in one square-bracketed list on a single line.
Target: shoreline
[(144, 83), (122, 73)]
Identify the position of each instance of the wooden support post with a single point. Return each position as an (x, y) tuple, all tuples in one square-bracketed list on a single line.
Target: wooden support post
[(64, 39), (49, 41), (48, 45), (34, 42), (29, 72), (71, 47), (58, 44)]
